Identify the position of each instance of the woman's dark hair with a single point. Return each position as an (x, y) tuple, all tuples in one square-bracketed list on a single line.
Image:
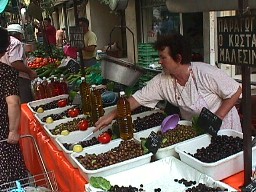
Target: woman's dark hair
[(4, 40), (84, 20), (48, 19), (177, 44)]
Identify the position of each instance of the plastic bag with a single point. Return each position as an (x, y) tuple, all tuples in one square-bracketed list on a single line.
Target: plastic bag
[(70, 51)]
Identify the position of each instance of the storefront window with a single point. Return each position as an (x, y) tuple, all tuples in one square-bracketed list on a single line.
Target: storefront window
[(159, 21)]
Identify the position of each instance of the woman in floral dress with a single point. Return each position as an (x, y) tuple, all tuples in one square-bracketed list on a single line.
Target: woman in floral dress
[(12, 166)]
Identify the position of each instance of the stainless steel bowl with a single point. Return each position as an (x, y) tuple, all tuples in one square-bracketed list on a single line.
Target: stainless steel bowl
[(120, 71)]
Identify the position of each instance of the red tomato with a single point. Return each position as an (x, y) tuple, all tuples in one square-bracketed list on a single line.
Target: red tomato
[(73, 112), (62, 103), (77, 111), (83, 125), (104, 138)]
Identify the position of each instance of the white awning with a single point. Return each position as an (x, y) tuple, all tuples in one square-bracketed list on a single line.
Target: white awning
[(189, 6)]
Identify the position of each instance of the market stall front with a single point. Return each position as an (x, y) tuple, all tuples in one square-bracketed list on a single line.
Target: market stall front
[(67, 177)]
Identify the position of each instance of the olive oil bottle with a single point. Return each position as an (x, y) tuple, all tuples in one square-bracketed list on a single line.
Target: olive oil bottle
[(96, 105), (124, 118), (85, 93)]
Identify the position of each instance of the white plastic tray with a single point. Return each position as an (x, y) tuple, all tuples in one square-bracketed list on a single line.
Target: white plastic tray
[(115, 168), (75, 137), (44, 101), (160, 174), (217, 170), (51, 126), (40, 116), (166, 151)]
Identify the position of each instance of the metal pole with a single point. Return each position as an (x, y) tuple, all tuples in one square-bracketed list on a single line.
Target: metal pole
[(79, 50), (246, 103)]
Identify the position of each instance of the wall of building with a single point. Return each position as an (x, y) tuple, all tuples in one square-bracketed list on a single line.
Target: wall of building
[(102, 22), (130, 16)]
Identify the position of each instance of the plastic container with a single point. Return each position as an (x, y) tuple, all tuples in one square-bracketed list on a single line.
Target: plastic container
[(44, 101), (75, 137), (109, 170), (85, 93), (217, 170), (161, 174), (96, 105), (124, 118), (40, 116), (166, 151)]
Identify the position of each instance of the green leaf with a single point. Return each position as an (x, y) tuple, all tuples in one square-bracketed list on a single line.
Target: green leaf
[(100, 183), (196, 127)]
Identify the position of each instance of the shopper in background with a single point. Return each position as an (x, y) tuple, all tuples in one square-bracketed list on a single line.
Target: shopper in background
[(50, 31), (90, 43), (60, 37), (16, 58), (12, 166), (187, 85)]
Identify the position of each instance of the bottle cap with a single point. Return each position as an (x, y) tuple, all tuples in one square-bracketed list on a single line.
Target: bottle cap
[(122, 93)]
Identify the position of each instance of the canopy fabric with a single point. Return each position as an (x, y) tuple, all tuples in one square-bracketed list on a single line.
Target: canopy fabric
[(3, 4), (189, 6)]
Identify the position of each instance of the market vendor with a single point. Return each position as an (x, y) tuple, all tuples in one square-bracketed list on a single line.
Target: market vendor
[(187, 85)]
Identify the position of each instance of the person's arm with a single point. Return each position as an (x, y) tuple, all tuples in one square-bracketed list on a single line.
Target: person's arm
[(13, 103), (20, 66), (227, 104), (107, 119)]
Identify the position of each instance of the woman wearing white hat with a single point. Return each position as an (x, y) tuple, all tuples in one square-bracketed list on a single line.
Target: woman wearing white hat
[(15, 57)]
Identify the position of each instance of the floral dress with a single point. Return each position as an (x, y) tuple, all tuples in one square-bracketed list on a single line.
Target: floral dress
[(12, 166)]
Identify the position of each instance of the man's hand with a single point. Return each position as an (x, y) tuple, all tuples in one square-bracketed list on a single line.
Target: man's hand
[(13, 137)]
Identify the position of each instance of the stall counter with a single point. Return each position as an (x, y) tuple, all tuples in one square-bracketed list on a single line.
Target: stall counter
[(68, 178)]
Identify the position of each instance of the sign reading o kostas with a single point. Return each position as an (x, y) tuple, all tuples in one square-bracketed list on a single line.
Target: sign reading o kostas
[(76, 37), (237, 40)]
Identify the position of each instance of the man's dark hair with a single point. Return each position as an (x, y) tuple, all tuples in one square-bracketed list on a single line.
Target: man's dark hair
[(4, 40), (48, 19), (177, 44), (84, 20)]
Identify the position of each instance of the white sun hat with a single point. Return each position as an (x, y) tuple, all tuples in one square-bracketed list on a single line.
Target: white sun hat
[(15, 28)]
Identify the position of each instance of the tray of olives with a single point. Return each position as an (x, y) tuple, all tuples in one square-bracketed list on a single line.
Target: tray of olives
[(170, 139), (114, 157), (55, 114), (46, 104), (211, 155), (66, 143), (63, 126), (168, 174)]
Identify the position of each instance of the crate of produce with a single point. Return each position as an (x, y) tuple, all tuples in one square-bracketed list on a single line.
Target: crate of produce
[(167, 175), (117, 163), (168, 150), (46, 104), (66, 143), (232, 164)]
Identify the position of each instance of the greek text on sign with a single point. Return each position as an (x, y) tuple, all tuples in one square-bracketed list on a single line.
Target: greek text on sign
[(76, 37), (237, 40)]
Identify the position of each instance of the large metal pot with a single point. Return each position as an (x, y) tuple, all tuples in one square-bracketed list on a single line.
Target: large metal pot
[(120, 71)]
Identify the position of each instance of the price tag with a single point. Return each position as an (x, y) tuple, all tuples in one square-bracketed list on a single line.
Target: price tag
[(251, 187), (73, 66), (153, 142), (209, 122)]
